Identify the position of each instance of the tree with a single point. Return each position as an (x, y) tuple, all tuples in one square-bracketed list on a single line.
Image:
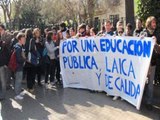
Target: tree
[(147, 8), (27, 12), (6, 7)]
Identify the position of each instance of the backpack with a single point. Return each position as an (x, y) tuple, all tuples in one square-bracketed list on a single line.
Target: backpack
[(13, 62)]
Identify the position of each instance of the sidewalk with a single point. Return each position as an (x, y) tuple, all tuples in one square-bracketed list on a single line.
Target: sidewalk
[(72, 104)]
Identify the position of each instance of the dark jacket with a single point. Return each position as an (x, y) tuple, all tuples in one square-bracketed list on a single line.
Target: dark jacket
[(39, 46), (111, 33), (155, 55), (14, 41), (19, 58), (137, 32), (35, 55), (4, 54)]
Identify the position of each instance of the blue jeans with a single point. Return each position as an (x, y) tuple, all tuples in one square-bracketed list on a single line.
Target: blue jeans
[(2, 82), (18, 82)]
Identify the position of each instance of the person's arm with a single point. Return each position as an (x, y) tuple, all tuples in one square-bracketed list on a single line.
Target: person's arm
[(50, 48), (156, 46)]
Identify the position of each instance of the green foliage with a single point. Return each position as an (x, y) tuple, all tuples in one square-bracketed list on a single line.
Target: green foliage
[(147, 8), (30, 14)]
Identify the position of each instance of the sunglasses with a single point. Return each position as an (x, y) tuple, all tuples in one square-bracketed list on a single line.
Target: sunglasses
[(120, 31)]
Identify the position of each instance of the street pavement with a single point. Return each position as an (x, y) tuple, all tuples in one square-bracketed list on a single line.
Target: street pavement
[(72, 104)]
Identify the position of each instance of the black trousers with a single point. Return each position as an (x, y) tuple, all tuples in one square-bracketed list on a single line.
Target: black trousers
[(47, 69), (39, 73), (31, 73), (58, 70), (50, 70)]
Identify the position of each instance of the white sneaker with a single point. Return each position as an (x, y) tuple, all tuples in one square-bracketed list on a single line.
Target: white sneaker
[(22, 93), (107, 94), (52, 83), (18, 97), (115, 97)]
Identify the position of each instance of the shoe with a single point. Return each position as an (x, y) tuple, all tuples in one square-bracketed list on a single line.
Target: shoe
[(115, 98), (18, 97), (22, 93), (107, 94), (1, 99), (122, 99), (92, 91), (149, 107), (59, 82), (31, 90), (40, 84), (52, 84)]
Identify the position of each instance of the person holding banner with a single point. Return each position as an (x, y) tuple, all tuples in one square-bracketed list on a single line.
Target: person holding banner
[(129, 30), (120, 32), (150, 31), (119, 24), (108, 28), (102, 32), (81, 30), (51, 48), (139, 28), (93, 32), (72, 32)]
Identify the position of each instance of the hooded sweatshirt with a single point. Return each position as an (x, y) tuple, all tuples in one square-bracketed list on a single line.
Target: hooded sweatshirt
[(19, 56)]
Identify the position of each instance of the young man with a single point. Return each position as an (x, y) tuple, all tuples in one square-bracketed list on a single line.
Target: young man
[(129, 30), (108, 28), (4, 59), (20, 59), (150, 31), (139, 28), (119, 24), (63, 29), (6, 37)]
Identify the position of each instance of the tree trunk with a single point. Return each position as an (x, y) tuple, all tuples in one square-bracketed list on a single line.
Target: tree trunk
[(91, 5), (5, 16)]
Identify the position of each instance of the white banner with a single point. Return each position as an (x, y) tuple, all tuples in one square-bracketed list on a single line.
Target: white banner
[(116, 65)]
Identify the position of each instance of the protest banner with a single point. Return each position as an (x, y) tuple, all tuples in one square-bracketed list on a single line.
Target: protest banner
[(116, 65)]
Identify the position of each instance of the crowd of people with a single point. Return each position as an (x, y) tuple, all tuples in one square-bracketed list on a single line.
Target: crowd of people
[(38, 54)]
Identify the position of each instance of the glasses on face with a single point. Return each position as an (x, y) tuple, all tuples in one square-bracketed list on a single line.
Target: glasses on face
[(120, 32)]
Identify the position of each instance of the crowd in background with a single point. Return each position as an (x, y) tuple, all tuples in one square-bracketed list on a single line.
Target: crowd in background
[(37, 54)]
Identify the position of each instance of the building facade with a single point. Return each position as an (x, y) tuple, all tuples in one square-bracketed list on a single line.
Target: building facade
[(114, 10)]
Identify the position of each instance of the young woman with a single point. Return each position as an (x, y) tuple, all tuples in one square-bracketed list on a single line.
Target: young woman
[(81, 31), (68, 34), (33, 62), (51, 48), (129, 30), (72, 32), (54, 34), (93, 32), (120, 32), (40, 47)]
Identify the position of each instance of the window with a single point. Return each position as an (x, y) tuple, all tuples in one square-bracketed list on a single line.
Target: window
[(114, 18)]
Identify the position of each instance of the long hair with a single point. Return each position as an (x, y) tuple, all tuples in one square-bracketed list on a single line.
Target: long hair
[(28, 34), (149, 21), (35, 31), (49, 36)]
